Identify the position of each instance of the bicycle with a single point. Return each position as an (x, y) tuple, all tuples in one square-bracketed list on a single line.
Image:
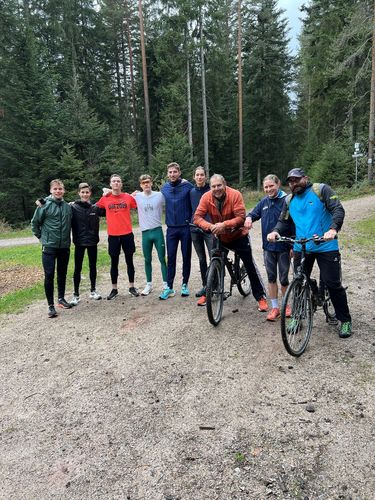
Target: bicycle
[(215, 293), (301, 301)]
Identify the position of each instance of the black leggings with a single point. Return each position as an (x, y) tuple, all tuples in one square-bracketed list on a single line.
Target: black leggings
[(49, 258), (79, 253), (115, 243)]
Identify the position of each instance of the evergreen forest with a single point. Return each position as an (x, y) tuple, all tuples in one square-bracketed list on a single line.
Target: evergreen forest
[(88, 88)]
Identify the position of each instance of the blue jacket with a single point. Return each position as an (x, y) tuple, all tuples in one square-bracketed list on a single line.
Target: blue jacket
[(177, 203), (195, 197), (313, 215), (268, 210)]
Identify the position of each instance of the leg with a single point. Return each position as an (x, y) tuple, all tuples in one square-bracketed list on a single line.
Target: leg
[(79, 253), (198, 242), (147, 253), (62, 269), (172, 244), (330, 270), (160, 248), (283, 263), (243, 248), (114, 252), (48, 261), (92, 253), (185, 237), (128, 247)]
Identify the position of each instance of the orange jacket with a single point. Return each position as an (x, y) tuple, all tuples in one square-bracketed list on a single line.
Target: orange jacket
[(233, 214)]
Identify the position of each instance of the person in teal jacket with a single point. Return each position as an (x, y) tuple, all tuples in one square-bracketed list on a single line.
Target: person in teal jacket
[(51, 224), (316, 213)]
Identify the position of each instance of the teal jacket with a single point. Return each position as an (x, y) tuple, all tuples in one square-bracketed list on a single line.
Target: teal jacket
[(51, 223)]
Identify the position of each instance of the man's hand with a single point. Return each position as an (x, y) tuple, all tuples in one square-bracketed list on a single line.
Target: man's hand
[(273, 236), (248, 223), (218, 228), (107, 191), (330, 235)]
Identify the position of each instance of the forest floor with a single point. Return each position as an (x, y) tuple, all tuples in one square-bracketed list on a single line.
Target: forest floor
[(142, 399)]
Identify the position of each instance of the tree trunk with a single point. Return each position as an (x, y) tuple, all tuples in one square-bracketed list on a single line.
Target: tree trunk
[(131, 69), (190, 126), (372, 109), (145, 83), (240, 105), (204, 103)]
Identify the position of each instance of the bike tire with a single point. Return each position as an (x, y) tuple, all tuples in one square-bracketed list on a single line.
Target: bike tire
[(296, 330), (328, 308), (243, 280), (214, 292)]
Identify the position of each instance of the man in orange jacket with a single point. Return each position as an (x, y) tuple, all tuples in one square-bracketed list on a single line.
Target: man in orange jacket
[(227, 212)]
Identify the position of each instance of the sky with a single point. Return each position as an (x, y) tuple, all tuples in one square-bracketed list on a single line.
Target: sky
[(293, 14)]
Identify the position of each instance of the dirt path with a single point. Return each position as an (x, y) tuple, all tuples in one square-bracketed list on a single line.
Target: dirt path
[(137, 399)]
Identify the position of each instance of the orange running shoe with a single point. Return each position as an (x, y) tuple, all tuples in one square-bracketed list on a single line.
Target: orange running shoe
[(274, 314), (201, 301), (288, 311), (262, 305)]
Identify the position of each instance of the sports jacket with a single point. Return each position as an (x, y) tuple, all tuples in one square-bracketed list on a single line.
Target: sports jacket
[(177, 202), (51, 223), (85, 223)]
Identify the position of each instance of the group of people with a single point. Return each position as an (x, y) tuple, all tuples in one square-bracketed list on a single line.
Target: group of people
[(211, 206)]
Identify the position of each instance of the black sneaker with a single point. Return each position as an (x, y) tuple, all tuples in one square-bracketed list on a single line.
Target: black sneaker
[(113, 294), (133, 291), (52, 312), (64, 304)]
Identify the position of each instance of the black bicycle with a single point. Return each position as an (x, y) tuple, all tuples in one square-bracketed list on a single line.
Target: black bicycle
[(215, 289), (301, 301)]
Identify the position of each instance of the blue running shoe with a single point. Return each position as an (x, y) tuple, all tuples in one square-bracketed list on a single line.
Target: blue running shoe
[(184, 290), (166, 293)]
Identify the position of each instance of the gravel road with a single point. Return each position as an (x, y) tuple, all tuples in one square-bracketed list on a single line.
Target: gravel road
[(141, 399)]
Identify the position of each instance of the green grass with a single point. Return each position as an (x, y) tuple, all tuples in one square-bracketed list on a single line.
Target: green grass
[(15, 233), (364, 235), (29, 256)]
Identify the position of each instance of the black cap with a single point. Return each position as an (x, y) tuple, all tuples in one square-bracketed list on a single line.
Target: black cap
[(295, 172)]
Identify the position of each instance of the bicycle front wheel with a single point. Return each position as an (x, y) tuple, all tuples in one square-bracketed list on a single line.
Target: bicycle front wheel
[(243, 280), (214, 292), (297, 317)]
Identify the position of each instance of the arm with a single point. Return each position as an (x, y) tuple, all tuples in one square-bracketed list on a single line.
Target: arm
[(200, 213), (253, 215), (37, 221)]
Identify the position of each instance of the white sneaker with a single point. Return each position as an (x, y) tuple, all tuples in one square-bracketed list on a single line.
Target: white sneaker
[(147, 289), (94, 295), (75, 300)]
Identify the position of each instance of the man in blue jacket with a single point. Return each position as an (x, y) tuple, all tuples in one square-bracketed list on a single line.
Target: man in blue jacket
[(176, 192), (322, 214)]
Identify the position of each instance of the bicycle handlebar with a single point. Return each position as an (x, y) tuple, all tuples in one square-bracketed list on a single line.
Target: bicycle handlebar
[(200, 230), (316, 239)]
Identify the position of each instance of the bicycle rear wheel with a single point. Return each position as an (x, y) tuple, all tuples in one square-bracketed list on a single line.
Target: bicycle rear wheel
[(296, 329), (328, 308), (243, 280), (214, 292)]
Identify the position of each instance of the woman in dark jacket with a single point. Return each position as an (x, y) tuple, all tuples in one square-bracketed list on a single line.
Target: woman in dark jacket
[(85, 230)]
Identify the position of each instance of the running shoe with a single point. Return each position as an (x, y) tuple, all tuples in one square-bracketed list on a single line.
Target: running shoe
[(52, 312), (202, 301), (95, 295), (185, 290), (166, 293), (64, 304), (147, 289), (274, 314), (262, 305), (113, 294), (288, 311), (345, 330), (75, 300), (133, 291), (201, 292)]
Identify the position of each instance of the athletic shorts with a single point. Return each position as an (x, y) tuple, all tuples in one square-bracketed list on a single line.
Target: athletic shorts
[(274, 261)]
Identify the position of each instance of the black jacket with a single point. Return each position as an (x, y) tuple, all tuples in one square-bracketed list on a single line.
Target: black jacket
[(85, 223)]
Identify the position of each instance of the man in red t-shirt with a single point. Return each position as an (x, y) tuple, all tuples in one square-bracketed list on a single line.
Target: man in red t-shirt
[(120, 232)]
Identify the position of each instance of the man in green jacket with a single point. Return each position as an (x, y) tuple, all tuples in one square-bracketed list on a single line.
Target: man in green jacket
[(51, 224)]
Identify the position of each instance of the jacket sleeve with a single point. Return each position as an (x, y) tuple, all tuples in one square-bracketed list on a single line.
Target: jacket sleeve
[(200, 213), (256, 212), (37, 221), (285, 225), (239, 212), (334, 206)]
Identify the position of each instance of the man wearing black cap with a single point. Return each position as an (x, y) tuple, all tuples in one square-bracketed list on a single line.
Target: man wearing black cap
[(316, 209)]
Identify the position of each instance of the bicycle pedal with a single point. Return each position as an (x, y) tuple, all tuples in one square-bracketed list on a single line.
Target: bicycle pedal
[(226, 295)]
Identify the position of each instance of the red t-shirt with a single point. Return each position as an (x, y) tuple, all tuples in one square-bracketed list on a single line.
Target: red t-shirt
[(117, 211)]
